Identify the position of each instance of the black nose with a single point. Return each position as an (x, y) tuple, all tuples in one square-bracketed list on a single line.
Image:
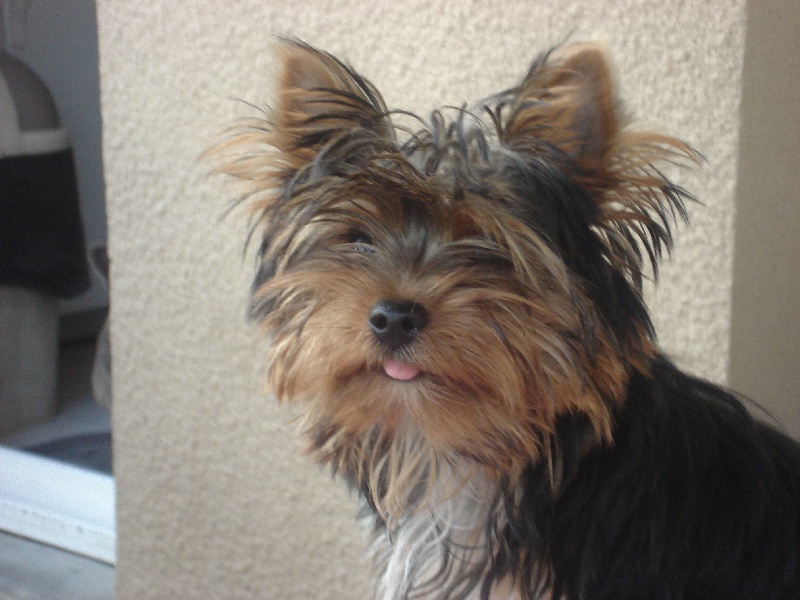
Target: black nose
[(396, 323)]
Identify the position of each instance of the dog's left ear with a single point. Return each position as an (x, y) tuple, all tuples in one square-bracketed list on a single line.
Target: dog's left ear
[(566, 108), (567, 101), (321, 99)]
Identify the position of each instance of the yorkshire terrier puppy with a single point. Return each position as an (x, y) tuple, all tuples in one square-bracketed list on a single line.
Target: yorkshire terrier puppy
[(457, 304)]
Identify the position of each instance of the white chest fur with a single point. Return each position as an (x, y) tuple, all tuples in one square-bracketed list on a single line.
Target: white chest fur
[(443, 549)]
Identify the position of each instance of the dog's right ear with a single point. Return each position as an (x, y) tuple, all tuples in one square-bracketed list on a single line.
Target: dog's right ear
[(320, 100), (320, 106)]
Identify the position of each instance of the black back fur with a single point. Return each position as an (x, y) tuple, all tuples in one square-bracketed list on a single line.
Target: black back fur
[(695, 500)]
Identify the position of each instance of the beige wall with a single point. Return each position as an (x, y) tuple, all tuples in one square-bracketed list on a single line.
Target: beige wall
[(765, 330), (213, 502)]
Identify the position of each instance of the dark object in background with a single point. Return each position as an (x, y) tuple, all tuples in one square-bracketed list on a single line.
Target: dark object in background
[(42, 244), (42, 247), (41, 235)]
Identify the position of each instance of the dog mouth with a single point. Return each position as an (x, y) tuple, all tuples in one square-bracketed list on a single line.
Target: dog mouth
[(400, 371)]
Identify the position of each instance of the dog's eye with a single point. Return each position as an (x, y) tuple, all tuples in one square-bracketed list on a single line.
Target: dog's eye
[(361, 242), (488, 255)]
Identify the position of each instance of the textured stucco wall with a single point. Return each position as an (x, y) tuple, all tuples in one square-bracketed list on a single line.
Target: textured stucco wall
[(213, 502)]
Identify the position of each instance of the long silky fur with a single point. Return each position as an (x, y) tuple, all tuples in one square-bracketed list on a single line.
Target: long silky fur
[(550, 451)]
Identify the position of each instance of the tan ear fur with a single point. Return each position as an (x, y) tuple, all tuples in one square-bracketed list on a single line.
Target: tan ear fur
[(568, 103), (318, 99)]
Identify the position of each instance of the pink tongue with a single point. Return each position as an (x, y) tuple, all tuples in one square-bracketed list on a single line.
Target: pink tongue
[(399, 370)]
